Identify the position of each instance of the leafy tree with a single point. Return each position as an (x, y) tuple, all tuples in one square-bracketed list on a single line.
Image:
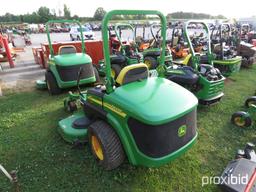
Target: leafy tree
[(67, 13), (99, 14), (44, 14), (191, 15), (76, 17)]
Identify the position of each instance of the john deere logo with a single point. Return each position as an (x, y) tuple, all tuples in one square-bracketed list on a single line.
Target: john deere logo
[(182, 131)]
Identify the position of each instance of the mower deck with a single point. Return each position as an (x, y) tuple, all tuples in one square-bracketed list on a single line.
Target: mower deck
[(41, 84), (73, 128)]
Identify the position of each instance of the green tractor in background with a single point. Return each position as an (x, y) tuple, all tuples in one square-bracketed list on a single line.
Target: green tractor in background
[(63, 68), (148, 120), (152, 53), (126, 54), (196, 72), (226, 59)]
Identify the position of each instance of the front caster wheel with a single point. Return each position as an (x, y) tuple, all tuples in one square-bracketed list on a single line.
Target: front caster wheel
[(241, 119), (250, 101), (70, 106)]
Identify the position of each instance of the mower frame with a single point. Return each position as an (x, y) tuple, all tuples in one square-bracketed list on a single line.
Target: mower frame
[(52, 71), (227, 66), (116, 105)]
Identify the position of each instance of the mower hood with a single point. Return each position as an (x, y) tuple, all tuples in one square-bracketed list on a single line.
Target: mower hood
[(72, 59), (153, 101)]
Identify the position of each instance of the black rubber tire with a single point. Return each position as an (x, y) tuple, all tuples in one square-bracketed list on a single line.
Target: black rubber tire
[(250, 100), (152, 60), (70, 106), (112, 148), (96, 73), (78, 38), (117, 68), (251, 61), (247, 120), (52, 85), (245, 63), (71, 37)]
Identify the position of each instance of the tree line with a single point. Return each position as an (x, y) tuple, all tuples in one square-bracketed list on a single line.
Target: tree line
[(44, 14), (191, 15)]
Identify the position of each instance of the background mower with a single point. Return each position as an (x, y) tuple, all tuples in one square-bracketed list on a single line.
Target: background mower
[(178, 45), (149, 120), (152, 53), (226, 59), (245, 48), (247, 34), (199, 76), (242, 118), (63, 68), (142, 42), (125, 52), (240, 174), (151, 48)]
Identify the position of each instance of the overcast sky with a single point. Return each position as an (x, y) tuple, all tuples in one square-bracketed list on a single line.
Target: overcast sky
[(231, 9)]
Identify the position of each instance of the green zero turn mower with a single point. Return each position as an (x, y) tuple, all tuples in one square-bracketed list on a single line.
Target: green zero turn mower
[(197, 72), (148, 120), (63, 68), (226, 59), (242, 118), (152, 54), (126, 55)]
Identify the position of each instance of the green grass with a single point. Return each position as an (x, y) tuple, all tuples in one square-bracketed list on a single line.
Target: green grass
[(29, 143)]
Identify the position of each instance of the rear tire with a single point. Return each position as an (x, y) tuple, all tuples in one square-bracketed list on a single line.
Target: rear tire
[(71, 38), (250, 100), (241, 119), (52, 85), (151, 62), (105, 145), (78, 38)]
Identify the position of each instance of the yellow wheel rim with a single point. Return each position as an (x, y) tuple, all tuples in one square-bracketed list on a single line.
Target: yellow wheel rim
[(148, 63), (96, 146), (113, 73), (239, 121)]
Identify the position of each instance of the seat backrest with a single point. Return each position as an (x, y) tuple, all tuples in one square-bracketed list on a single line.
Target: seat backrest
[(67, 49), (132, 73)]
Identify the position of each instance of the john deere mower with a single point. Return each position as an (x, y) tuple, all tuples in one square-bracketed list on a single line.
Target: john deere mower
[(63, 67), (126, 54), (148, 120), (150, 48), (226, 59), (199, 75), (242, 118), (152, 53)]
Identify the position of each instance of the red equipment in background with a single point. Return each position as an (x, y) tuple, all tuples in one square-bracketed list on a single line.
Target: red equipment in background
[(5, 45), (93, 48)]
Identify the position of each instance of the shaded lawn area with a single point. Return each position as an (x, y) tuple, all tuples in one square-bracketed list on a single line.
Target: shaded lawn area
[(29, 143)]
